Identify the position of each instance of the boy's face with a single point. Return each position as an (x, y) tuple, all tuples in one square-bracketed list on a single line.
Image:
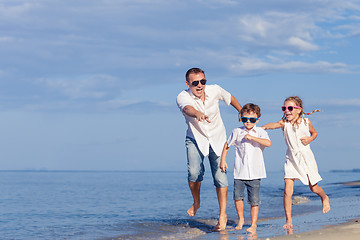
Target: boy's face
[(248, 124)]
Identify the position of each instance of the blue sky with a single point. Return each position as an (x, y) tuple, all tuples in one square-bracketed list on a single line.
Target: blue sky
[(91, 84)]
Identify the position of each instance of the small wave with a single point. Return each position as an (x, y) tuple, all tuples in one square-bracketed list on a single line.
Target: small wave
[(297, 200), (169, 229)]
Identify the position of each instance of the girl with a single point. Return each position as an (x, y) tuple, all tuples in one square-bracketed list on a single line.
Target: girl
[(300, 161)]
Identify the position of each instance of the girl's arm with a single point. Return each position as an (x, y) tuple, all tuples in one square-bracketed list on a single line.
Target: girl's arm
[(279, 124), (313, 135), (263, 141), (223, 165)]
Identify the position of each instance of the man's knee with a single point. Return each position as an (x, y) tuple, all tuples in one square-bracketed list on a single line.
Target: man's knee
[(221, 181), (195, 175)]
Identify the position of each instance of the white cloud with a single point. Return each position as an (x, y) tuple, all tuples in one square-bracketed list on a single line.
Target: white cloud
[(301, 44), (14, 10), (139, 41), (353, 102), (251, 27), (256, 65), (6, 39), (275, 31), (95, 87), (137, 105)]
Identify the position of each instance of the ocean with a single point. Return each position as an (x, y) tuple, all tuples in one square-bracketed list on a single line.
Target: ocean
[(152, 205)]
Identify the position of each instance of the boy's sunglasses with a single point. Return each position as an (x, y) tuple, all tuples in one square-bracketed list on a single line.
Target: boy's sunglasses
[(290, 108), (252, 119), (202, 81)]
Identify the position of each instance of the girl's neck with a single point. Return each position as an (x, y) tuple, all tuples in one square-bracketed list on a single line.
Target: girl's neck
[(296, 121)]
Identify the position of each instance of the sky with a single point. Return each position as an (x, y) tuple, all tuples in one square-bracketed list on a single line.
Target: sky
[(92, 84)]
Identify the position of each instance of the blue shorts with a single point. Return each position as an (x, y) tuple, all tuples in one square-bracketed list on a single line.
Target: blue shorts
[(253, 190), (196, 169)]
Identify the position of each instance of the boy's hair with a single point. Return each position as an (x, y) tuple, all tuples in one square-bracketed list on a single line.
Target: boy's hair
[(193, 70), (250, 107)]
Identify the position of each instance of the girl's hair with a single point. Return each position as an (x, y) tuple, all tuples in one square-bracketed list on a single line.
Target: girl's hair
[(299, 103)]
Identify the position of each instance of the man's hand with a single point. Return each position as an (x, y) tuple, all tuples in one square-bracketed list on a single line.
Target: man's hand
[(202, 117), (192, 112)]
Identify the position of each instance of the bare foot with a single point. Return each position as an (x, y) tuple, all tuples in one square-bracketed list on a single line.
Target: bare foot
[(240, 224), (252, 236), (290, 231), (326, 204), (252, 229), (193, 209), (221, 224), (288, 225)]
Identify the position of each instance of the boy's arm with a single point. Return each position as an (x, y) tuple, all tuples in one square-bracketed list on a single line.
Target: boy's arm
[(192, 112), (313, 132), (234, 102), (279, 124), (262, 141), (223, 165)]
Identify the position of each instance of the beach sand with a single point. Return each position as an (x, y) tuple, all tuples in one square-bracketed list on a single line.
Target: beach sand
[(347, 231), (353, 183)]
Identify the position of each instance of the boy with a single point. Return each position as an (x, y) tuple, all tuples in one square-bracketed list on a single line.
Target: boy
[(249, 167)]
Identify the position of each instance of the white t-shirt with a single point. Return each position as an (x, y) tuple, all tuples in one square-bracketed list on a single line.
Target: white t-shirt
[(249, 160), (204, 133)]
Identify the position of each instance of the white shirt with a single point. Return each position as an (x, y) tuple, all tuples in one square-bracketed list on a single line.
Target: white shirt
[(249, 160), (204, 133)]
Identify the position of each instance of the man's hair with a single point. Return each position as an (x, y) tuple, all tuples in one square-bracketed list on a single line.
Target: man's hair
[(193, 70), (250, 107)]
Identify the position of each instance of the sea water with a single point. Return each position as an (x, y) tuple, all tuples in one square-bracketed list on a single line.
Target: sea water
[(153, 205)]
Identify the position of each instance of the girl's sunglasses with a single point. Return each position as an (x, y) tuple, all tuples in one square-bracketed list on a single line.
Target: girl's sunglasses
[(252, 119), (202, 81), (290, 108)]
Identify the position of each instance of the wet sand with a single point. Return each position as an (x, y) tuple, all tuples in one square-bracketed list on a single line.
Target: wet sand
[(311, 224), (347, 231), (353, 183)]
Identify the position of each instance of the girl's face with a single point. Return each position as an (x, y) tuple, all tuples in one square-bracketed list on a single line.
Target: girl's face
[(293, 115)]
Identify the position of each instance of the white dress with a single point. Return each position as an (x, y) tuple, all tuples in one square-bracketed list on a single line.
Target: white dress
[(300, 161)]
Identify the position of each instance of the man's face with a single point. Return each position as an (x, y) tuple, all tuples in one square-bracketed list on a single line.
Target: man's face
[(199, 90)]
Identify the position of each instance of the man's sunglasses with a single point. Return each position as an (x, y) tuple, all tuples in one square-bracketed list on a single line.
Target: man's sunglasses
[(290, 108), (202, 81), (252, 119)]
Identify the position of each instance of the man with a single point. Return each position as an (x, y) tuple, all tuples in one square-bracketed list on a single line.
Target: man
[(205, 136)]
